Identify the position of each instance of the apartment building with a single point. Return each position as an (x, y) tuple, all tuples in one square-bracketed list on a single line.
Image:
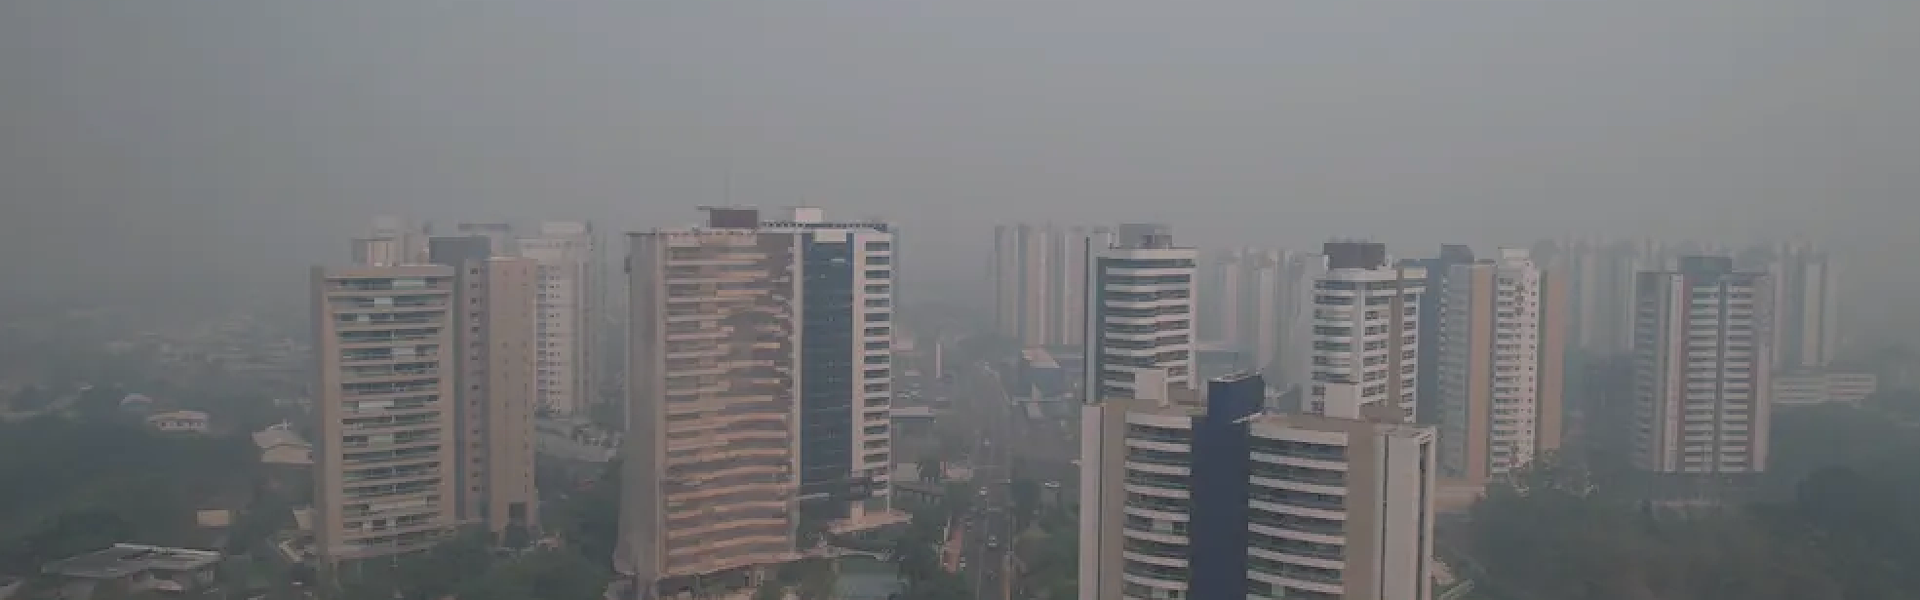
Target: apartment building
[(391, 241), (500, 241), (1500, 359), (846, 364), (1139, 311), (495, 382), (567, 315), (1037, 271), (1366, 332), (1427, 379), (1230, 502), (1702, 378), (712, 460), (384, 393), (1805, 298)]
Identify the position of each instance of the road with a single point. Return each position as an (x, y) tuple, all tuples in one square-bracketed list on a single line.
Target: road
[(990, 533)]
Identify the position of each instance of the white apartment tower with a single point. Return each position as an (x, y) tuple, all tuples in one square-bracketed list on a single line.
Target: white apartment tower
[(1702, 347), (1806, 327), (1366, 325), (1139, 311), (1036, 270), (567, 314), (384, 407), (1501, 355), (1229, 502)]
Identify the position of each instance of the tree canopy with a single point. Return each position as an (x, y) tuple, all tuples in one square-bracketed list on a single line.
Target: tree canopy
[(1836, 518)]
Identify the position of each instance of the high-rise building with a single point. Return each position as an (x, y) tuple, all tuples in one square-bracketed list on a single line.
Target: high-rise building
[(1600, 278), (846, 357), (1229, 502), (1300, 273), (1806, 331), (567, 316), (384, 409), (1139, 311), (1701, 350), (1427, 382), (1366, 334), (1500, 360), (711, 466), (1245, 303), (499, 236), (495, 382), (391, 241), (1036, 273)]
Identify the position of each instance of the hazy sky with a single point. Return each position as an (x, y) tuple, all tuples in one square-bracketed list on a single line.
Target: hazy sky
[(145, 140)]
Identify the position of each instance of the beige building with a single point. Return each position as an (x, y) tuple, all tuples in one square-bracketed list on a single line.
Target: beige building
[(384, 404), (566, 313), (710, 483), (1502, 353), (1702, 366)]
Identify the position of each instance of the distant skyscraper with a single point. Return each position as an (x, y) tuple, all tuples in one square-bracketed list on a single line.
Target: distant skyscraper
[(1226, 502), (391, 241), (568, 315), (499, 236), (1702, 346), (1500, 361), (384, 410), (1366, 332), (1805, 300), (494, 382), (711, 469), (1600, 282), (1244, 307), (1139, 311), (1036, 273)]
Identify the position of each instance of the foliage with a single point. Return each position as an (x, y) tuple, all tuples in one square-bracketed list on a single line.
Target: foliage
[(99, 482), (930, 470), (467, 567), (1844, 531), (1025, 494)]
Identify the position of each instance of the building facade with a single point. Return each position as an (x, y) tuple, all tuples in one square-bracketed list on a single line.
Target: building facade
[(1500, 361), (1229, 502), (567, 315), (1366, 332), (1036, 272), (846, 363), (1427, 382), (494, 382), (384, 410), (1702, 378), (1139, 312), (711, 463)]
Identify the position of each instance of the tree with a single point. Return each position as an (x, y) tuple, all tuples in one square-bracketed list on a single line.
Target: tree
[(770, 590), (930, 470), (1026, 501)]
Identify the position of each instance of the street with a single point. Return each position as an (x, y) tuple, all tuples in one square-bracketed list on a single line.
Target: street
[(989, 536)]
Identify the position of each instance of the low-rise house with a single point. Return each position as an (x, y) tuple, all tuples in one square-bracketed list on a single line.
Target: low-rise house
[(128, 569), (180, 421)]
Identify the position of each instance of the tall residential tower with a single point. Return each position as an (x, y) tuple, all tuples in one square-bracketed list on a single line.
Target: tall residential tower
[(1139, 311), (1499, 359), (1366, 332), (384, 409), (1702, 345)]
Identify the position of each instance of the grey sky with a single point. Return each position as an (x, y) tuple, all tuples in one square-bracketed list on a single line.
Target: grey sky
[(226, 134)]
